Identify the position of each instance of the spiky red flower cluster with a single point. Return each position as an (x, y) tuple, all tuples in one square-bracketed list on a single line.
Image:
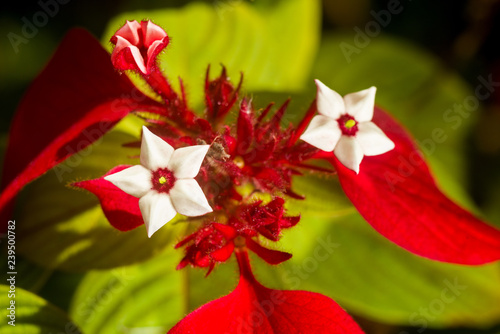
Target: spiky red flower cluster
[(247, 172), (214, 242), (256, 158)]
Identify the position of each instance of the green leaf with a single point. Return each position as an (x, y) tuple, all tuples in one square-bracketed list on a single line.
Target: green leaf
[(323, 197), (347, 260), (66, 229), (147, 298), (32, 314), (29, 276), (256, 40)]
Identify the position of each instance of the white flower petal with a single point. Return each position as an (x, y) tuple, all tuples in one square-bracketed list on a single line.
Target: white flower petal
[(139, 60), (157, 210), (349, 152), (328, 101), (155, 152), (186, 161), (188, 198), (372, 139), (152, 33), (323, 132), (135, 180), (129, 32), (360, 104)]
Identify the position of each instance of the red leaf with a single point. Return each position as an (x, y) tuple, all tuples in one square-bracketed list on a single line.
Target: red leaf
[(397, 195), (76, 99), (253, 308), (121, 209)]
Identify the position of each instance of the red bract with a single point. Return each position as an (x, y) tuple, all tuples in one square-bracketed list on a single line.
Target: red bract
[(120, 208), (137, 46), (253, 308), (397, 195), (76, 99)]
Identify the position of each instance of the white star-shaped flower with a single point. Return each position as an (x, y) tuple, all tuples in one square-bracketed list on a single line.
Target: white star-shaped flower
[(164, 181), (344, 126)]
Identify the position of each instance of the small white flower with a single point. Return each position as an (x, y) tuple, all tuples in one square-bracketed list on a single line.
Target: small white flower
[(344, 126), (164, 181)]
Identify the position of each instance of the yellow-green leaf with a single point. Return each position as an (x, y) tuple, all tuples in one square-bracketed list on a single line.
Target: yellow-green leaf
[(27, 313)]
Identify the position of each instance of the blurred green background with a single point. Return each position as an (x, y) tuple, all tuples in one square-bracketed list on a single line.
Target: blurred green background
[(425, 57)]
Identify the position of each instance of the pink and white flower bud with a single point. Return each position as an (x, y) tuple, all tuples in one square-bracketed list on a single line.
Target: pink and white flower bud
[(137, 46)]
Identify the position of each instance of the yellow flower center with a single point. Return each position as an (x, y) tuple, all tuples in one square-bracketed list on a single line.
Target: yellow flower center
[(349, 123), (162, 180)]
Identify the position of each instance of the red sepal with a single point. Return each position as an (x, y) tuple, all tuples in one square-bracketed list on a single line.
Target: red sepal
[(121, 209), (261, 153), (253, 308), (274, 123), (228, 231), (76, 99), (271, 256), (245, 128), (299, 130), (222, 254), (208, 246), (220, 95), (397, 195)]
